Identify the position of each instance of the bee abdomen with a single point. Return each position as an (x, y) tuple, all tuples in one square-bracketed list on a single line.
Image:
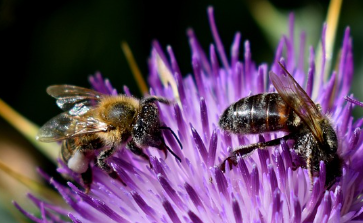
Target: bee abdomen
[(256, 114)]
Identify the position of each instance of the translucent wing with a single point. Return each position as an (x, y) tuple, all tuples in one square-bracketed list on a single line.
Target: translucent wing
[(76, 100), (293, 95), (65, 126)]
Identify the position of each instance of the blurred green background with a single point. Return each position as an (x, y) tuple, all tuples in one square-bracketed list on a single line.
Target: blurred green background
[(58, 42)]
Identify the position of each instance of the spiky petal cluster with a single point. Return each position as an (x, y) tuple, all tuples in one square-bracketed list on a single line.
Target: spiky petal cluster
[(262, 187)]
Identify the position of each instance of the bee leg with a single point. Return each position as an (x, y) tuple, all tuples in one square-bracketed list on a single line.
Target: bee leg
[(310, 167), (244, 151), (131, 145), (101, 162), (172, 132), (87, 179)]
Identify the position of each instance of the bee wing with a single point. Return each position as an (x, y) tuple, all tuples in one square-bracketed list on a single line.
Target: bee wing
[(293, 95), (76, 100), (65, 126)]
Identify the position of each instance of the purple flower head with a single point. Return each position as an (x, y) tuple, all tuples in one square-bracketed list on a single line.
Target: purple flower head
[(263, 187)]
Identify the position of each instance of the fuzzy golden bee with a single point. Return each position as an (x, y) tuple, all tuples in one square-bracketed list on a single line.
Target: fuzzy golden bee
[(290, 110), (93, 121)]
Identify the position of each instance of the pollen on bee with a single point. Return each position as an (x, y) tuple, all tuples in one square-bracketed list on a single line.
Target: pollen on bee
[(78, 162)]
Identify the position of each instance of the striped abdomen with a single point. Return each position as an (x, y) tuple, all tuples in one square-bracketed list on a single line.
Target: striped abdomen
[(86, 142), (257, 114)]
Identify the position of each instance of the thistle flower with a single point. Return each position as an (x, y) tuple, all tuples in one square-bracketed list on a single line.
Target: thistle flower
[(261, 188)]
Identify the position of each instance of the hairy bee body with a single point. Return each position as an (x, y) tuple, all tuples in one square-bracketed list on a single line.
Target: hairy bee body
[(93, 121), (292, 111)]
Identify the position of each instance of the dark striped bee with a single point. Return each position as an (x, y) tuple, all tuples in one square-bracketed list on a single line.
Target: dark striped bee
[(94, 121), (290, 110)]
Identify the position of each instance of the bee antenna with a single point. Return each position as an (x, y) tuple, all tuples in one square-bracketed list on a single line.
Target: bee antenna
[(175, 136), (171, 151)]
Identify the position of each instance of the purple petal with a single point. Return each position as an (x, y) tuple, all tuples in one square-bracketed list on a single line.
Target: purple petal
[(353, 101), (286, 155), (217, 39), (290, 52), (127, 91), (235, 49), (157, 167), (174, 63), (238, 80), (170, 191), (55, 208), (180, 123), (236, 211), (198, 51), (275, 66), (161, 53), (262, 70), (323, 59), (263, 155), (143, 205), (199, 144), (212, 148), (281, 170), (74, 219), (71, 202), (98, 205), (204, 118), (27, 214), (322, 173), (193, 195), (179, 83), (244, 172), (214, 61), (171, 212), (221, 182), (296, 217), (248, 63), (255, 182), (198, 76), (194, 218), (311, 72), (272, 178), (301, 57), (328, 94), (342, 73), (276, 203)]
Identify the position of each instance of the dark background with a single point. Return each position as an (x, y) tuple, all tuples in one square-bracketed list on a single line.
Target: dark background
[(58, 42)]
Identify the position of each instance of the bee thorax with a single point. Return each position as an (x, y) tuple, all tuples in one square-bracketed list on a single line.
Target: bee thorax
[(78, 162)]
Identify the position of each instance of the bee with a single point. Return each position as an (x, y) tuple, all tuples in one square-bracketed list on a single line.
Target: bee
[(290, 110), (93, 121)]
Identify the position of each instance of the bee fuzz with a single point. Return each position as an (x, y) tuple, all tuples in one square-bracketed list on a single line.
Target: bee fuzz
[(78, 162)]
